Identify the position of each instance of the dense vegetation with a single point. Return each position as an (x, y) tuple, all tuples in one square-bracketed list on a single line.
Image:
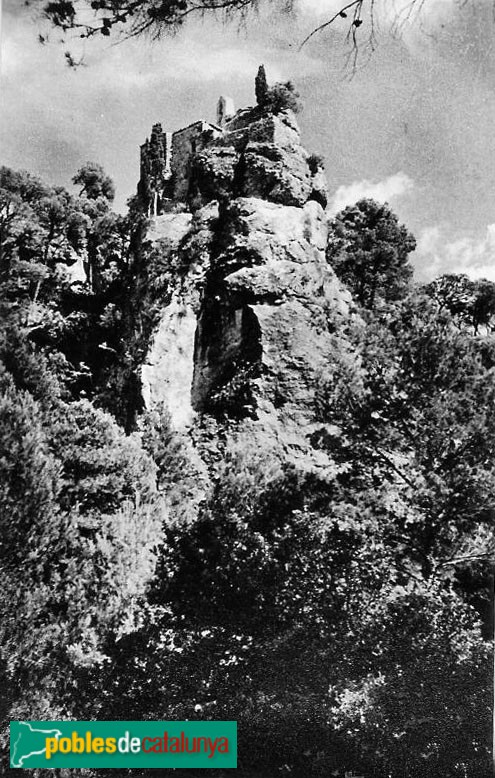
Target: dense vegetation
[(343, 621)]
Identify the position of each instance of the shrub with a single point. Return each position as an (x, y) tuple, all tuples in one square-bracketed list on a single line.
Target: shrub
[(282, 97), (315, 161)]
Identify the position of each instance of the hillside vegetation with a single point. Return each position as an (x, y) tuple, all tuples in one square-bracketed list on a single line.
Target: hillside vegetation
[(339, 611)]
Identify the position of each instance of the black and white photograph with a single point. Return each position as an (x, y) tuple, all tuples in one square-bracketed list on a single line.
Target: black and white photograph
[(247, 388)]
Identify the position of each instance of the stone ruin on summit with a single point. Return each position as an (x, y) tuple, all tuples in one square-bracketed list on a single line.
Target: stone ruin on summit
[(251, 152), (166, 159)]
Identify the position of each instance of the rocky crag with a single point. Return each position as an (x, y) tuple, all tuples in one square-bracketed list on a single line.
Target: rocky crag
[(245, 302)]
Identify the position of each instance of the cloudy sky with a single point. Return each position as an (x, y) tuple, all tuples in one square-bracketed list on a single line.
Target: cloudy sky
[(415, 125)]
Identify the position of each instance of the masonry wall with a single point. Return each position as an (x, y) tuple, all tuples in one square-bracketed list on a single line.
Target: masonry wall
[(185, 143)]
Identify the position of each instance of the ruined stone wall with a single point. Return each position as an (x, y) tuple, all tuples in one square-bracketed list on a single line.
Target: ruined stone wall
[(185, 144), (166, 164), (253, 153), (258, 155)]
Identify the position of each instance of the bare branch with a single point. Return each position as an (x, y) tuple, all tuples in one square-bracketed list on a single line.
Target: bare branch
[(341, 13)]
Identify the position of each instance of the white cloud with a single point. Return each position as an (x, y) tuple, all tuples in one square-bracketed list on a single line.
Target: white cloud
[(382, 191), (436, 255)]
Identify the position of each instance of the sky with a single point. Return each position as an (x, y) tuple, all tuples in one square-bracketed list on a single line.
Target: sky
[(414, 125)]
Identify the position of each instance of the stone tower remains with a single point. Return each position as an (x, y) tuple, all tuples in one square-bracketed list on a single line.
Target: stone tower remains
[(225, 110)]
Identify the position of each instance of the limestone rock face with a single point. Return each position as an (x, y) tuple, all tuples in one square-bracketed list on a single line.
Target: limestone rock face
[(263, 337), (167, 373), (260, 155), (246, 327), (182, 242), (246, 333), (268, 174)]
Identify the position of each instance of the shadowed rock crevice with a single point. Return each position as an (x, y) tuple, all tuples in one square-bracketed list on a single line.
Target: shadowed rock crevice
[(227, 357)]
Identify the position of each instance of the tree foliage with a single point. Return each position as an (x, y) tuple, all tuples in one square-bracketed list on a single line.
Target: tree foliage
[(64, 265), (76, 495), (281, 97), (369, 249), (471, 303), (261, 85), (276, 98), (339, 613), (94, 182), (131, 17)]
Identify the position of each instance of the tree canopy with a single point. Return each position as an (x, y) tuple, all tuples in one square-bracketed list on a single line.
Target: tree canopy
[(94, 182), (369, 249), (470, 302)]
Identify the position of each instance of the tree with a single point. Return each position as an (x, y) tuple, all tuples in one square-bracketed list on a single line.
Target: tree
[(79, 526), (281, 97), (417, 394), (64, 263), (300, 609), (94, 181), (261, 85), (471, 303), (368, 249), (414, 403), (37, 223), (276, 98), (18, 233)]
